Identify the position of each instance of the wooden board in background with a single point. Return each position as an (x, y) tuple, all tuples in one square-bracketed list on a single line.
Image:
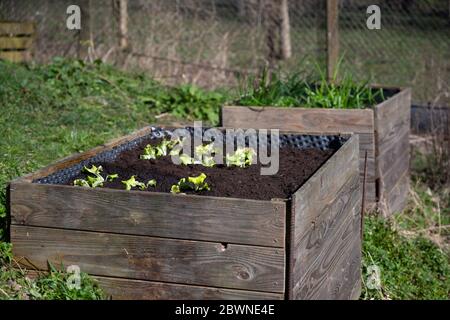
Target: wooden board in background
[(299, 119), (9, 28)]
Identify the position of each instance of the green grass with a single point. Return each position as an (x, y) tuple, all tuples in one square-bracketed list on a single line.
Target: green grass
[(410, 267), (15, 282), (53, 110), (305, 90), (412, 249)]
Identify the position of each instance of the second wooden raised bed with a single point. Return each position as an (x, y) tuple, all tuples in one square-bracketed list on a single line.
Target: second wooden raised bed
[(383, 135), (150, 245)]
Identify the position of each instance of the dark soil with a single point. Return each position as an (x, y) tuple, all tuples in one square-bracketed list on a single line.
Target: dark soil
[(296, 166)]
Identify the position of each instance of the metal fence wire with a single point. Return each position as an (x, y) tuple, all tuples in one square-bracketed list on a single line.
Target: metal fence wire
[(210, 42)]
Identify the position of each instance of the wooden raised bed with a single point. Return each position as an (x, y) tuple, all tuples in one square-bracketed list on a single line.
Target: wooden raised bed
[(149, 245), (383, 134)]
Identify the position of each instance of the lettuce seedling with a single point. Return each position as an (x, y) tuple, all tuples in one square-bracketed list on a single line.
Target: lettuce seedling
[(242, 157), (206, 149), (95, 179), (151, 183), (185, 159), (203, 156), (149, 153), (112, 177), (132, 182), (162, 149), (191, 183)]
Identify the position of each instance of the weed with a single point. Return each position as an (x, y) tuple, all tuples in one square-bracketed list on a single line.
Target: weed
[(17, 283), (301, 90)]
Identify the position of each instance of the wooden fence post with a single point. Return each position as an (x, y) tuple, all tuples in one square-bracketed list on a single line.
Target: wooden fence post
[(332, 37), (120, 11), (285, 36), (85, 34), (278, 30)]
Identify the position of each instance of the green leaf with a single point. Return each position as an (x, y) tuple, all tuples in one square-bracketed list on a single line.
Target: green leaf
[(175, 189), (185, 159), (132, 183), (242, 157), (150, 152), (112, 177), (151, 183), (191, 183), (94, 170), (81, 183)]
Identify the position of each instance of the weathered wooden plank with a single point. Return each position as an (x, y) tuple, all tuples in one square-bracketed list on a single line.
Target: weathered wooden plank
[(371, 191), (397, 169), (16, 28), (349, 285), (155, 259), (129, 289), (324, 250), (323, 187), (371, 176), (299, 119), (78, 157), (15, 42), (126, 289), (391, 115), (397, 198), (324, 226), (367, 143), (149, 213), (392, 127), (15, 56), (389, 153)]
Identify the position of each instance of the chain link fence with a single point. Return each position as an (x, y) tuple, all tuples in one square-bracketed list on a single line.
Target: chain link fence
[(212, 42)]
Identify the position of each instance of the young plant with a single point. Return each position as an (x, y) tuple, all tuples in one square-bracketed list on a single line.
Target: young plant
[(191, 183), (203, 155), (303, 90), (95, 179), (164, 148), (242, 158), (133, 183)]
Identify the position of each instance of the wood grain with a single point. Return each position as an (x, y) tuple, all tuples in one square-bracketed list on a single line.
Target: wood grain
[(15, 42), (299, 119), (16, 28), (149, 213), (127, 289), (155, 259), (392, 122), (325, 230), (398, 196)]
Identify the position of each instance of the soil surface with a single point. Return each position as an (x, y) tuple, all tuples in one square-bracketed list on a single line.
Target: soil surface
[(296, 166)]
